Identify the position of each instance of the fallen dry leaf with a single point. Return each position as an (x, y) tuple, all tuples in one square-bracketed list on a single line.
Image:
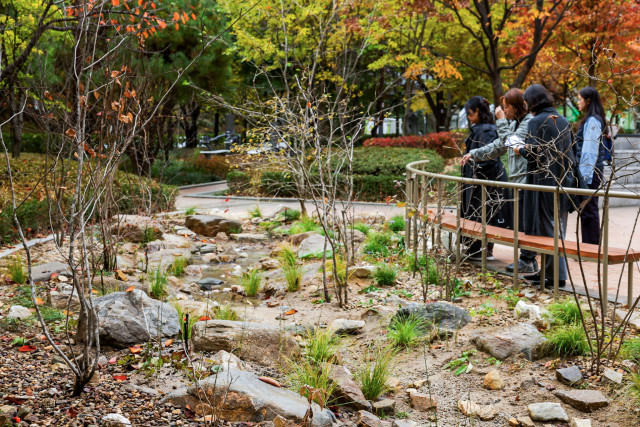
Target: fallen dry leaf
[(27, 348), (135, 349), (290, 312), (120, 377), (129, 289), (270, 381), (204, 318), (167, 343)]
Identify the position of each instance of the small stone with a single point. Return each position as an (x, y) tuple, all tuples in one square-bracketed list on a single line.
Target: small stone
[(115, 420), (209, 283), (347, 326), (394, 383), (513, 422), (19, 312), (384, 407), (419, 383), (583, 400), (580, 422), (363, 271), (492, 381), (526, 422), (347, 389), (207, 249), (249, 237), (612, 376), (404, 423), (422, 401), (569, 376), (281, 421), (367, 419), (312, 289), (630, 365), (484, 412), (102, 360), (547, 411)]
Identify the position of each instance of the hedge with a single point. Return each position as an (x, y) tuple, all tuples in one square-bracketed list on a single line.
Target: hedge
[(444, 143)]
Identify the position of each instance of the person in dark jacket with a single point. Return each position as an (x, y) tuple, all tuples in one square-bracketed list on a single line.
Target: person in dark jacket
[(483, 131), (590, 152), (550, 158)]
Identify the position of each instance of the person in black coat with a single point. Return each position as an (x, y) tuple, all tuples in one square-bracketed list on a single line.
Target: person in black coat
[(483, 131), (550, 158)]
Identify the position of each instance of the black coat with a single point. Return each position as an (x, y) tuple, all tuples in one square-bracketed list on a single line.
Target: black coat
[(550, 161), (498, 208)]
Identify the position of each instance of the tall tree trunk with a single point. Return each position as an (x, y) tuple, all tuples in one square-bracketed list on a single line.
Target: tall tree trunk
[(16, 102), (216, 124), (189, 122), (408, 94)]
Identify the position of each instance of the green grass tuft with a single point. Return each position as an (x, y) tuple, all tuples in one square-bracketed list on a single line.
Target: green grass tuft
[(361, 226), (406, 331), (251, 282), (566, 312), (321, 345), (256, 212), (225, 312), (293, 277), (396, 223), (375, 371), (178, 266), (190, 211), (312, 380), (303, 225), (287, 256), (385, 275), (158, 284), (568, 340), (631, 350), (291, 215), (378, 244), (16, 271)]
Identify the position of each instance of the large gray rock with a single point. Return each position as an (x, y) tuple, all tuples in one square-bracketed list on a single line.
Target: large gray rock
[(256, 342), (163, 258), (502, 342), (440, 315), (43, 272), (583, 400), (19, 312), (296, 239), (245, 398), (347, 390), (126, 318), (209, 225), (547, 411), (312, 246)]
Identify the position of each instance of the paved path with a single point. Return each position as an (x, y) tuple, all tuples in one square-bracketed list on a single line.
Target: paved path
[(620, 233)]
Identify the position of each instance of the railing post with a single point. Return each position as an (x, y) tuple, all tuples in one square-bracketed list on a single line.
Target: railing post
[(516, 223), (458, 234), (484, 228), (425, 212), (556, 233), (439, 211), (604, 294), (415, 209), (407, 219), (630, 285)]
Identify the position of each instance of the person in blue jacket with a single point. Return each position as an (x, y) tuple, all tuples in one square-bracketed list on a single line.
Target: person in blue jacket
[(590, 153)]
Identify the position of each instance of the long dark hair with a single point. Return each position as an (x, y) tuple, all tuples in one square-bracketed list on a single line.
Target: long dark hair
[(515, 98), (595, 108), (482, 105), (537, 98)]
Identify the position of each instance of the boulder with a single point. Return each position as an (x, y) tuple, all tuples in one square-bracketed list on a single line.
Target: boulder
[(312, 246), (256, 342), (569, 376), (196, 308), (502, 342), (19, 312), (583, 400), (422, 401), (127, 318), (163, 258), (132, 228), (296, 239), (243, 397), (492, 381), (169, 241), (440, 315), (634, 319), (43, 272), (210, 226), (362, 271), (210, 283), (347, 390), (473, 409), (193, 270), (547, 411), (611, 376), (347, 326), (356, 236)]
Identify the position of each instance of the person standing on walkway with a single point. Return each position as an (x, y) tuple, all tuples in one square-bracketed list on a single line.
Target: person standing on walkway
[(590, 152), (550, 159), (513, 126), (483, 131)]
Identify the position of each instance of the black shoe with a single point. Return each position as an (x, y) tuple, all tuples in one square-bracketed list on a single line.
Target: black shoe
[(549, 283), (523, 267), (532, 277)]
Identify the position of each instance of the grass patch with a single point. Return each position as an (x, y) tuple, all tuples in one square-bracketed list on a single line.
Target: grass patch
[(312, 380), (185, 335), (291, 214), (396, 223), (631, 350), (375, 371), (385, 275), (321, 345), (304, 225), (378, 244), (406, 331), (251, 282), (150, 234), (287, 256), (362, 227), (158, 284), (256, 212), (50, 314), (565, 312), (178, 266), (190, 211), (341, 269), (568, 340), (225, 312), (293, 277), (16, 271)]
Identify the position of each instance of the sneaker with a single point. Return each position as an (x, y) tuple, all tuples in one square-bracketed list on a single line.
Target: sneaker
[(474, 257), (490, 256), (523, 267)]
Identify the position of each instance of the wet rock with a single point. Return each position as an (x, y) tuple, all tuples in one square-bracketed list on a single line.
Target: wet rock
[(245, 398), (115, 420), (19, 312), (210, 283), (492, 381), (503, 342), (363, 271), (127, 318), (583, 400), (296, 239), (385, 407), (484, 412), (249, 237), (312, 246), (440, 315), (569, 376), (422, 401), (347, 390), (547, 411), (256, 342), (347, 326), (611, 376), (367, 419), (43, 272), (210, 226)]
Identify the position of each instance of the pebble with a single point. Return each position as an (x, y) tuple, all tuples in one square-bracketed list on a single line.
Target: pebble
[(492, 381), (612, 376), (547, 411)]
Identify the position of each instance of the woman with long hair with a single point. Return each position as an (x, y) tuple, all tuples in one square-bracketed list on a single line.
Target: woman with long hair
[(483, 131), (513, 126), (590, 153)]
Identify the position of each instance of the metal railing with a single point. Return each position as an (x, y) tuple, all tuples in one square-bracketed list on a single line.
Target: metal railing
[(419, 182)]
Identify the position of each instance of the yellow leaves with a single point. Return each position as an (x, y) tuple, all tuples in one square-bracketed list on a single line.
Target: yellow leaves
[(126, 118), (443, 69), (401, 204)]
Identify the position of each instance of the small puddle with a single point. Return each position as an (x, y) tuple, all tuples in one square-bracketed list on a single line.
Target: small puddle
[(223, 270)]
